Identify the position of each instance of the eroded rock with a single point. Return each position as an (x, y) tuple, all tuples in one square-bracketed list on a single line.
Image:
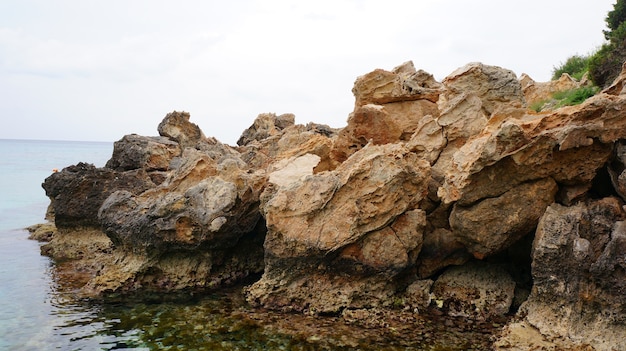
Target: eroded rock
[(578, 266)]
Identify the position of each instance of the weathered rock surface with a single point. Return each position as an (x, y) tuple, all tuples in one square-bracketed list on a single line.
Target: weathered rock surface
[(579, 292), (475, 290), (538, 92), (426, 200)]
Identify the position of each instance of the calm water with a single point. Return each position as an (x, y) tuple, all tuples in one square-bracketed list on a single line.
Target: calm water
[(35, 314)]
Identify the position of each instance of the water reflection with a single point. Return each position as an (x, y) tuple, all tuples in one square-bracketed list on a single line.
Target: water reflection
[(223, 321)]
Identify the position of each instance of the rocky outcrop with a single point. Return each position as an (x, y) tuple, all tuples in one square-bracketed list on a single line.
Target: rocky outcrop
[(578, 297), (427, 200)]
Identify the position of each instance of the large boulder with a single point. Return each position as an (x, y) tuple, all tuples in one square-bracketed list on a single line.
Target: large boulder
[(493, 224), (140, 152), (388, 109), (202, 203), (265, 126), (359, 218), (579, 269), (176, 126), (77, 192)]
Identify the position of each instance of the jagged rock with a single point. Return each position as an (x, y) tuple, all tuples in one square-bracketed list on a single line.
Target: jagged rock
[(380, 124), (425, 176), (176, 126), (578, 298), (77, 192), (292, 142), (494, 86), (536, 92), (266, 125), (349, 215), (202, 203), (493, 224), (403, 83), (570, 145), (475, 290), (388, 108), (140, 152)]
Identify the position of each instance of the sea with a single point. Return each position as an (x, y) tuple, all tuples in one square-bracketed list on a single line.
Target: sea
[(36, 313)]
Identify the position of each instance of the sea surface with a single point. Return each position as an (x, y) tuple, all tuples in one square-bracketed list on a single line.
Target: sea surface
[(37, 314)]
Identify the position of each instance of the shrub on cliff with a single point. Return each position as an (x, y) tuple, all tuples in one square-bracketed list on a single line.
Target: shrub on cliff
[(576, 66), (606, 64)]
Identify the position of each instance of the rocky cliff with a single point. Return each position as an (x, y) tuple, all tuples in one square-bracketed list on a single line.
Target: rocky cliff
[(448, 196)]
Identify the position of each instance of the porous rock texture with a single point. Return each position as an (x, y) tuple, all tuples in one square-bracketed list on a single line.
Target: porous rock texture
[(428, 199)]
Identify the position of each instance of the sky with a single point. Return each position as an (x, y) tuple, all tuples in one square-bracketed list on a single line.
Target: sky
[(95, 70)]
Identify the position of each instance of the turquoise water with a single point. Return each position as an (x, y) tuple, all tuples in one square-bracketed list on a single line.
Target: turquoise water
[(29, 308), (36, 314)]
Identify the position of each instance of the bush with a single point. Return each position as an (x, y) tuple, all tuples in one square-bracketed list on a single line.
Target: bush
[(565, 98), (606, 64), (574, 96), (576, 66)]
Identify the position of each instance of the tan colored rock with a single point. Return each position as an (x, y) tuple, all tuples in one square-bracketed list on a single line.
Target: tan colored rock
[(404, 83), (292, 170), (330, 210), (390, 248), (570, 145), (266, 125), (428, 140), (494, 86), (493, 224), (357, 218), (177, 127), (475, 290), (294, 141), (536, 92), (388, 108), (380, 124)]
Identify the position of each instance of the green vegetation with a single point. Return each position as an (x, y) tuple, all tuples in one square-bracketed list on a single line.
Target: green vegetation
[(604, 64), (576, 66), (574, 96), (565, 98)]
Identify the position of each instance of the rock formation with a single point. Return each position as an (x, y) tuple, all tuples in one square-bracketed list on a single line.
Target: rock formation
[(448, 196)]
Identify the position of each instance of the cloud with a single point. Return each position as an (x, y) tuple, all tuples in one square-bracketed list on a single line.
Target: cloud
[(99, 70)]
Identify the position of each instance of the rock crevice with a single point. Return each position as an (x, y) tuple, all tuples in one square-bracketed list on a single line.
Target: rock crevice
[(427, 200)]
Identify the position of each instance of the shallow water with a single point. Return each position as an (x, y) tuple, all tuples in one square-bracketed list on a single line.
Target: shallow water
[(39, 312)]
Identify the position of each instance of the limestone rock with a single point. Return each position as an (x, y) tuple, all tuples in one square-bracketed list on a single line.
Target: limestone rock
[(176, 126), (265, 126), (578, 270), (424, 176), (357, 218), (536, 92), (494, 86), (570, 145), (77, 192), (380, 124), (292, 142), (202, 203), (493, 224), (388, 108), (140, 152), (477, 290), (404, 83)]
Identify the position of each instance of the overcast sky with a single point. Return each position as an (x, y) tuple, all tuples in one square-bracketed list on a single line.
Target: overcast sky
[(98, 70)]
